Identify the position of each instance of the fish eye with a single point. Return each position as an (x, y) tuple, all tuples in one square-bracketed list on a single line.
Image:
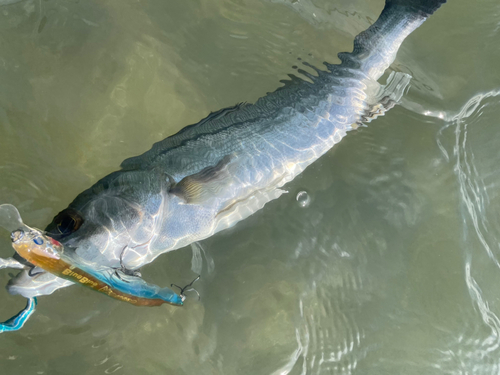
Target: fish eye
[(38, 240), (67, 222)]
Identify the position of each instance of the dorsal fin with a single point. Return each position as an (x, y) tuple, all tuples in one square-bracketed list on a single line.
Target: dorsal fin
[(182, 135)]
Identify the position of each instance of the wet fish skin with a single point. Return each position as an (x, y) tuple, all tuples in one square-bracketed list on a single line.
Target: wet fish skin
[(213, 174)]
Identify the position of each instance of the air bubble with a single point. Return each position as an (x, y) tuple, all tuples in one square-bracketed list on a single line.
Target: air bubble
[(303, 199)]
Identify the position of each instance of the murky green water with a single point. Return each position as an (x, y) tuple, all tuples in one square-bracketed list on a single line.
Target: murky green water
[(394, 266)]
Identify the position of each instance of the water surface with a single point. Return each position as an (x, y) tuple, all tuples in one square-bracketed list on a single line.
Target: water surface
[(392, 266)]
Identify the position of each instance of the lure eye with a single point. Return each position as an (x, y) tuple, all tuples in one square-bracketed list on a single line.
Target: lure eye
[(38, 240), (17, 235)]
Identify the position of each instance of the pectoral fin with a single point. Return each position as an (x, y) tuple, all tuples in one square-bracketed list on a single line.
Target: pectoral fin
[(205, 184)]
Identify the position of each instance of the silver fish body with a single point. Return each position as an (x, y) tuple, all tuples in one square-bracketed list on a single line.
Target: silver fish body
[(213, 174)]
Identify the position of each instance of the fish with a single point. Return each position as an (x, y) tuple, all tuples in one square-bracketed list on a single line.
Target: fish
[(215, 173)]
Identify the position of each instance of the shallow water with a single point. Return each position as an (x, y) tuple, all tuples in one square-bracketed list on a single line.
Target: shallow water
[(391, 267)]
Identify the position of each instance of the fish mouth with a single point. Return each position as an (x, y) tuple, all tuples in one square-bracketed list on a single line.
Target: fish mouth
[(42, 283)]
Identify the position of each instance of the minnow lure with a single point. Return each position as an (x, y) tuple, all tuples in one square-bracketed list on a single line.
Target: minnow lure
[(50, 255)]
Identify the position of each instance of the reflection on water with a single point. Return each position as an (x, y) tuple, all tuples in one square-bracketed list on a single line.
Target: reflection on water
[(479, 218), (383, 258)]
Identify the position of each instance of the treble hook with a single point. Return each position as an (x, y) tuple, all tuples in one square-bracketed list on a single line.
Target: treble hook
[(125, 270), (188, 290)]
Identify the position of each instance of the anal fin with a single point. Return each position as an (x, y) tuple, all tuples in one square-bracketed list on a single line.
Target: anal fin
[(387, 96)]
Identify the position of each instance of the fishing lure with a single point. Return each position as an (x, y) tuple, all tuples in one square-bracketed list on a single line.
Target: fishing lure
[(50, 255)]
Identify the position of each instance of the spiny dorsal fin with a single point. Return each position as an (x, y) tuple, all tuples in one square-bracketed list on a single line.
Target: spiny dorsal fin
[(212, 121)]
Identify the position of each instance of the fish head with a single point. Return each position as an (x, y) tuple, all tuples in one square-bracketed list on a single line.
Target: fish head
[(115, 220)]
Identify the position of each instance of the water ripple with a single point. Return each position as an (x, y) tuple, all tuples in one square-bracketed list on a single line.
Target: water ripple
[(475, 350)]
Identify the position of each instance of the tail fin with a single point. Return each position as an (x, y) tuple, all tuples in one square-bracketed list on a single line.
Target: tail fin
[(375, 48)]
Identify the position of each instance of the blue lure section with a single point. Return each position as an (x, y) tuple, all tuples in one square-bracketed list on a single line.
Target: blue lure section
[(137, 287), (17, 322), (131, 285)]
